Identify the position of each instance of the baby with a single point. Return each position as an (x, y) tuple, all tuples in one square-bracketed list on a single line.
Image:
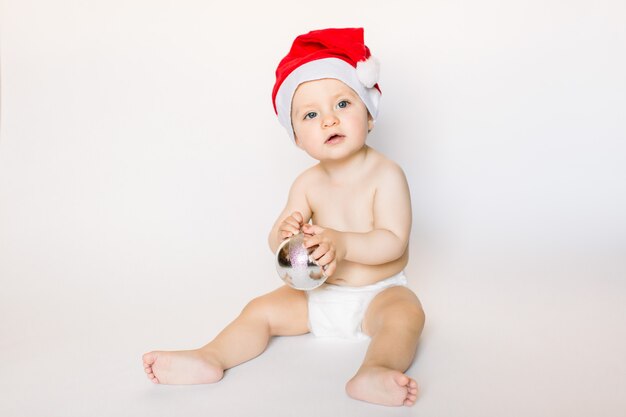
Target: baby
[(354, 209)]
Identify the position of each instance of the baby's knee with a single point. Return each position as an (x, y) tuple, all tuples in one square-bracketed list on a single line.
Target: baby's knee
[(406, 314), (411, 308), (257, 306), (416, 312)]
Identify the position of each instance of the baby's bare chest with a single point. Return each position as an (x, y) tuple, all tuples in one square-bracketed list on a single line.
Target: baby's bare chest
[(345, 208)]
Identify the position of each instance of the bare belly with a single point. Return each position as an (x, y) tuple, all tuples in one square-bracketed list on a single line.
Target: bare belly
[(356, 275)]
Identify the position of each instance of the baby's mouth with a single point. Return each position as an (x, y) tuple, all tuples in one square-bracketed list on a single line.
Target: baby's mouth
[(334, 139)]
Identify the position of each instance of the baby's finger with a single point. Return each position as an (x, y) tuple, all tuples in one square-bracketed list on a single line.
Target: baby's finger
[(313, 229), (319, 252), (298, 217), (327, 258), (311, 241), (329, 269), (288, 232), (284, 234), (292, 222), (290, 225)]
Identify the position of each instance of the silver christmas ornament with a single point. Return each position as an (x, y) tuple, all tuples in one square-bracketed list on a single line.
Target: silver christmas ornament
[(296, 267)]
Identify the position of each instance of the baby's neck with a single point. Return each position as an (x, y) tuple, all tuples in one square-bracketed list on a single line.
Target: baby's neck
[(347, 168)]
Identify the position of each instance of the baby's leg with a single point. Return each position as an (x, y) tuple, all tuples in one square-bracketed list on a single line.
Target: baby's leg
[(282, 312), (394, 320)]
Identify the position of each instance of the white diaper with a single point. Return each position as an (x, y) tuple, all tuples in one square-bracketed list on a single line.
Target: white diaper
[(337, 311)]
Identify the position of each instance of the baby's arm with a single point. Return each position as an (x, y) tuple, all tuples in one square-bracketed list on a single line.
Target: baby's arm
[(296, 213), (390, 235)]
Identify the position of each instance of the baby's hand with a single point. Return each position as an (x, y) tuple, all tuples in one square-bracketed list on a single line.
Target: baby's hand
[(290, 226), (329, 244)]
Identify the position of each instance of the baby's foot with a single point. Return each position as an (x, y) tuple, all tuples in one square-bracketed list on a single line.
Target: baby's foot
[(182, 367), (382, 386)]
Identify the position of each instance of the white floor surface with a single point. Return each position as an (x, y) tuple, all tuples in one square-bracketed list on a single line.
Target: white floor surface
[(503, 340)]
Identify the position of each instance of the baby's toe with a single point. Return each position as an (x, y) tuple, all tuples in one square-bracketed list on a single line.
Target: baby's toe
[(402, 380), (148, 358)]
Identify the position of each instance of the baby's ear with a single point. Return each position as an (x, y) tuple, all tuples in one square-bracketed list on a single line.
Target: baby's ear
[(296, 140), (370, 122)]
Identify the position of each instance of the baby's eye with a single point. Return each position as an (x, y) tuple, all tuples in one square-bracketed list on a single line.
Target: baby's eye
[(310, 115), (343, 104)]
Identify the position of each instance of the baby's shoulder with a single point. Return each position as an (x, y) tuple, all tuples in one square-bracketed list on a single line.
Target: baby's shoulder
[(386, 169), (306, 179), (310, 175)]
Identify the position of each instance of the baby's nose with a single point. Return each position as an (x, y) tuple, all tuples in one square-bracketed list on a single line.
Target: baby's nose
[(330, 120)]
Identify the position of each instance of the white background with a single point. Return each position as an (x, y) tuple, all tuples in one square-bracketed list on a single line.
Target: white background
[(142, 166)]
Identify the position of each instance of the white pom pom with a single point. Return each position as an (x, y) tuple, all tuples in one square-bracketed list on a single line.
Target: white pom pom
[(367, 71)]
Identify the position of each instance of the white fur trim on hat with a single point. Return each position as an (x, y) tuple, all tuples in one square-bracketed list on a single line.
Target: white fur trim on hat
[(316, 70), (368, 71)]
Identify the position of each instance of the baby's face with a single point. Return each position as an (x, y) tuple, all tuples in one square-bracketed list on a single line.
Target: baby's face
[(329, 119)]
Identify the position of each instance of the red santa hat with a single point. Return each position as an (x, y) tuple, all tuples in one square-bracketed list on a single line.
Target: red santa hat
[(328, 53)]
